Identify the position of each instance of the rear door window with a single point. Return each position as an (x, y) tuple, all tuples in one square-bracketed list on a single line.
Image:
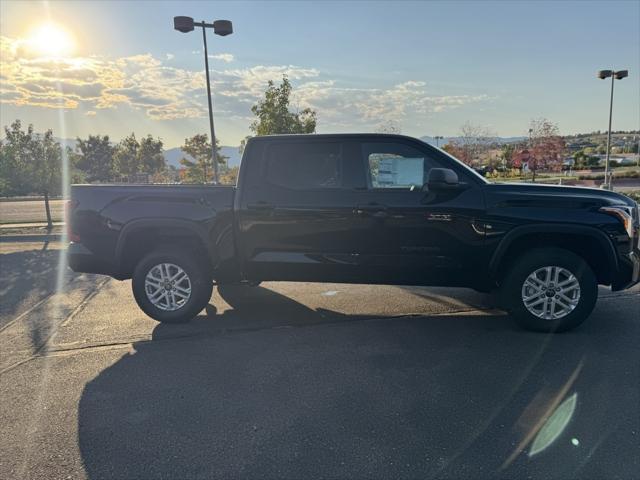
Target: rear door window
[(305, 166)]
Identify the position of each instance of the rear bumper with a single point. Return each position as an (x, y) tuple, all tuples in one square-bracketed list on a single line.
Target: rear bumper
[(629, 272), (82, 260)]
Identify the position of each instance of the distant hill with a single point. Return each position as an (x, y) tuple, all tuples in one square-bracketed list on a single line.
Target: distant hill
[(173, 156)]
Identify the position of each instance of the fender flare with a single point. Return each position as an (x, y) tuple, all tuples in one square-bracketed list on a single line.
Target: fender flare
[(520, 231), (171, 224)]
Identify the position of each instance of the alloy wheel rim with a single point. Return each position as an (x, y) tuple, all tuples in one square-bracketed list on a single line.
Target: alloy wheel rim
[(168, 287), (551, 292)]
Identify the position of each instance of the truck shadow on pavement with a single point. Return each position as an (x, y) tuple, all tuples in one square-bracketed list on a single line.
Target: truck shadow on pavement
[(410, 397), (255, 308)]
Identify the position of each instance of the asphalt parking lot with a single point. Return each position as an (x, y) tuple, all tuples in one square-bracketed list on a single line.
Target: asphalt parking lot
[(291, 380)]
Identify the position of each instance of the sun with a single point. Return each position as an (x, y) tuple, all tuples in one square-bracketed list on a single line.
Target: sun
[(50, 40)]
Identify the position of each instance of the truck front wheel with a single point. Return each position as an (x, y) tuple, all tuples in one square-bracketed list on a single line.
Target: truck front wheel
[(550, 290), (170, 286)]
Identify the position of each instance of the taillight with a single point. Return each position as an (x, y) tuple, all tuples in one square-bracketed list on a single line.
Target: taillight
[(70, 206)]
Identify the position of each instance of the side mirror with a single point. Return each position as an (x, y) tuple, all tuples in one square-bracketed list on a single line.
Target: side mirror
[(442, 179)]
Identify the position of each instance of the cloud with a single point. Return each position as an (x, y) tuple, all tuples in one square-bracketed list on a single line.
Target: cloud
[(139, 81), (225, 57), (163, 92), (248, 84), (337, 106)]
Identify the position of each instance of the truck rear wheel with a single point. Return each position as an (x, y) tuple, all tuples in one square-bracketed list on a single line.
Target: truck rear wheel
[(170, 286), (550, 290)]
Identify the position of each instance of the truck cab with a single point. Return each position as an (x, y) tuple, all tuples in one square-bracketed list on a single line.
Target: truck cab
[(356, 208)]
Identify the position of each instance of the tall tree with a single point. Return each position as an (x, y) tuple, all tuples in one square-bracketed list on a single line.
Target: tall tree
[(94, 156), (30, 163), (273, 115), (15, 159), (474, 141), (145, 156), (547, 146), (47, 169), (229, 176), (151, 155), (452, 149), (507, 153), (199, 168), (5, 170), (125, 157)]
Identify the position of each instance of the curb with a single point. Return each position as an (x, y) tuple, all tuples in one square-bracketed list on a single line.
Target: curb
[(35, 237), (29, 225)]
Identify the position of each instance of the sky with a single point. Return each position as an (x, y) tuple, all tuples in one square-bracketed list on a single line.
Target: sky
[(425, 68)]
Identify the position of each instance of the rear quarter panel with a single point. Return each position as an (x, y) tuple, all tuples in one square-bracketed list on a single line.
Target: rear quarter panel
[(106, 214)]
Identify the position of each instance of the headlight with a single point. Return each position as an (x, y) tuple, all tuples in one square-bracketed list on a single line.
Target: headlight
[(625, 215)]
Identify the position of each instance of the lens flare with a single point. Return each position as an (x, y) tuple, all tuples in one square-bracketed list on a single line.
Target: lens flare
[(50, 40), (555, 425)]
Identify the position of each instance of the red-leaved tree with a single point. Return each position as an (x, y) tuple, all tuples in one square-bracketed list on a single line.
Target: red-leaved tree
[(547, 146)]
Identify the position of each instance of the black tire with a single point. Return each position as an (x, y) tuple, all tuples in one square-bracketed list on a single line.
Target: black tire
[(200, 283), (513, 282)]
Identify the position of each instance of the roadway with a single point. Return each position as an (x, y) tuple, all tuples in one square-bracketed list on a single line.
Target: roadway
[(23, 211), (293, 380)]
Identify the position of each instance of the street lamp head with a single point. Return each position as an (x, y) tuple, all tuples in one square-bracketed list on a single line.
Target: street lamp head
[(222, 27), (183, 24), (620, 74), (602, 74)]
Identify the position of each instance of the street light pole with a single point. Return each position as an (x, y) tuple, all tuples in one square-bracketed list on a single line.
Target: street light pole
[(619, 75), (533, 177), (222, 28), (214, 157), (607, 174)]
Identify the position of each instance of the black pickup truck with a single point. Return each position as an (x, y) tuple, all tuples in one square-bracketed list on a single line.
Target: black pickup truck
[(359, 208)]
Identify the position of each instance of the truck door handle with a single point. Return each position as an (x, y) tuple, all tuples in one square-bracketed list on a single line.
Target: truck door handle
[(260, 206), (373, 209)]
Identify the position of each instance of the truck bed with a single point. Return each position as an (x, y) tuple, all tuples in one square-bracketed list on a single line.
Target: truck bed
[(103, 219)]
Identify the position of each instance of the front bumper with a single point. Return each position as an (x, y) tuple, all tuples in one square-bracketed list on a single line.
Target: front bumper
[(629, 273)]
